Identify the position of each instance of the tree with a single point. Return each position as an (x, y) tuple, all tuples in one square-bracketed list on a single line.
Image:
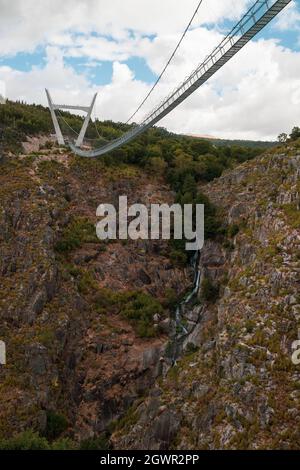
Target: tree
[(282, 137), (295, 134), (201, 146), (156, 165)]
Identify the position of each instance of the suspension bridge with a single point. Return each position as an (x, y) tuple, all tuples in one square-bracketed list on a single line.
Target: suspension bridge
[(253, 21)]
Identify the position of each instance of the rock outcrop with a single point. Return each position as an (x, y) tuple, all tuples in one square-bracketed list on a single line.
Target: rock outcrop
[(66, 352), (239, 389), (73, 352)]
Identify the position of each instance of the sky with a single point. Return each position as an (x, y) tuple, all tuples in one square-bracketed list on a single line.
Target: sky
[(118, 48)]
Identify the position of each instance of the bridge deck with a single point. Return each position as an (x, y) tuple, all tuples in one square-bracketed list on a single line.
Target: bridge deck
[(259, 15)]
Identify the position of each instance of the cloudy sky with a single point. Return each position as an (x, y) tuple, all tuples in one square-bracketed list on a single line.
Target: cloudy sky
[(118, 47)]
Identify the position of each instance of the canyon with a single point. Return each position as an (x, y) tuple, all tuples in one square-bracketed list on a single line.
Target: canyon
[(218, 375)]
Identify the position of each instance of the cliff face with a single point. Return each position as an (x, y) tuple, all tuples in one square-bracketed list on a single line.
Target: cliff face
[(239, 388), (71, 349)]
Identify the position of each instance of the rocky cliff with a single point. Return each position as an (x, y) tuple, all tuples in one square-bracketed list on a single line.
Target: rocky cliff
[(236, 386), (71, 349)]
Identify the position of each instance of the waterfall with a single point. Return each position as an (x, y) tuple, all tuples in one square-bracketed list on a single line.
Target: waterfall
[(181, 331)]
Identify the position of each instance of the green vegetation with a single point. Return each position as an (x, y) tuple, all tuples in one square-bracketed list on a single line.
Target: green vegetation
[(209, 291), (157, 148), (295, 134), (238, 144), (292, 214), (79, 231), (30, 440), (18, 120), (136, 306), (232, 230), (95, 443), (56, 425), (187, 193), (140, 310)]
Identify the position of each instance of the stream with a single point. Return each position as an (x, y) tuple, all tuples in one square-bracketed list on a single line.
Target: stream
[(181, 332)]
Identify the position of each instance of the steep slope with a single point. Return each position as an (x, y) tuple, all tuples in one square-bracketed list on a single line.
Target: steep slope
[(71, 350), (89, 326), (236, 386)]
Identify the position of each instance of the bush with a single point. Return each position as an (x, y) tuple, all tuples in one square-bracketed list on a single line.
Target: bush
[(209, 291), (95, 443), (79, 231), (64, 444), (156, 165), (171, 298), (86, 282), (56, 425), (136, 306), (295, 134), (233, 230), (191, 348), (178, 258), (140, 310), (28, 440)]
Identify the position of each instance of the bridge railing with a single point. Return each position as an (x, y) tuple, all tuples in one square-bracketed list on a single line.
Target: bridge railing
[(260, 14), (249, 20)]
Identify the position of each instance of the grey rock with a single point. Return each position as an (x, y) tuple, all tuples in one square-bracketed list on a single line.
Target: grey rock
[(144, 277), (36, 306), (165, 428), (37, 358)]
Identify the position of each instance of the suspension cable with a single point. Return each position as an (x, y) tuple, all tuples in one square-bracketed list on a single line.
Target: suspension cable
[(168, 62), (77, 133), (154, 85), (66, 123)]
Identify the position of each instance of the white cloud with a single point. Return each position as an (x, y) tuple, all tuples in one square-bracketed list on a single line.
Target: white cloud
[(24, 25), (290, 18), (256, 95)]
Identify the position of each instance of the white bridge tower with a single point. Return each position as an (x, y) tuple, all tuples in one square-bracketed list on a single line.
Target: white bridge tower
[(86, 109)]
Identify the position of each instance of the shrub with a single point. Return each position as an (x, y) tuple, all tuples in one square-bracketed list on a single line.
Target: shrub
[(191, 348), (140, 310), (79, 231), (178, 258), (86, 282), (27, 440), (156, 165), (56, 425), (63, 444), (295, 134), (233, 230), (50, 168), (136, 306), (209, 291), (171, 298), (95, 443)]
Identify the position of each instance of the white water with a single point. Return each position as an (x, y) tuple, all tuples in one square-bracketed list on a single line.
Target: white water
[(190, 296)]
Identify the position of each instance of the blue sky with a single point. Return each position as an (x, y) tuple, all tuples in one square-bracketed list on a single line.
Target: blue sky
[(119, 52), (100, 72)]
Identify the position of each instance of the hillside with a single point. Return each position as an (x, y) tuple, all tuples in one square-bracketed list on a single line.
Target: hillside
[(235, 142), (94, 356), (236, 387)]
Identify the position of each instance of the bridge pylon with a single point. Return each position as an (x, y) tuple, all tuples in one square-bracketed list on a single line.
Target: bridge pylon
[(87, 109)]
